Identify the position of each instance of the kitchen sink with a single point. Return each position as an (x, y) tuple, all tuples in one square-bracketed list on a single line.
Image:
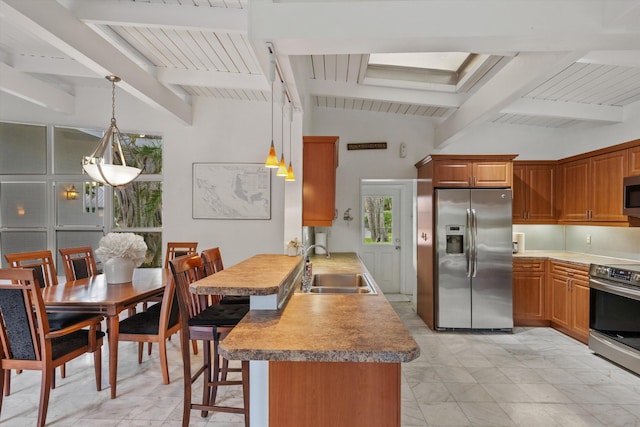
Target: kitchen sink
[(333, 283)]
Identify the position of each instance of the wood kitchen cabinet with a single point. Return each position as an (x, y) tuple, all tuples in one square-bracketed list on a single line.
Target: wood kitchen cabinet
[(634, 161), (529, 295), (319, 163), (568, 300), (592, 188), (534, 192), (472, 171)]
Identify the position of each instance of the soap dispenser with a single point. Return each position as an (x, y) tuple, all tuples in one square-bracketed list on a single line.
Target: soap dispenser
[(307, 275)]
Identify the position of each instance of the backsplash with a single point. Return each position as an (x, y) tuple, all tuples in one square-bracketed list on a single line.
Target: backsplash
[(616, 242)]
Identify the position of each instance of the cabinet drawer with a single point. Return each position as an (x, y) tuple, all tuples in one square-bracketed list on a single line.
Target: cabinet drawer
[(533, 265), (578, 271)]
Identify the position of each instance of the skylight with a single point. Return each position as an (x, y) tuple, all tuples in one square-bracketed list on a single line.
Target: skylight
[(444, 61)]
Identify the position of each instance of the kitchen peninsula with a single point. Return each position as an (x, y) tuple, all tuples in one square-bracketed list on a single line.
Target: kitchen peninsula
[(320, 359)]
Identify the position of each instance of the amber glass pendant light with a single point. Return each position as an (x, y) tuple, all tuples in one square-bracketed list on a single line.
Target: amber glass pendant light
[(282, 168), (272, 159), (290, 175)]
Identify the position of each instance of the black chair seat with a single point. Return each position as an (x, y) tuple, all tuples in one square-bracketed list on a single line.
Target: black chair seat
[(62, 320), (235, 299), (70, 342), (147, 322), (220, 315)]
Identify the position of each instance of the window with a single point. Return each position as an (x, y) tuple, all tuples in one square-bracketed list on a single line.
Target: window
[(56, 208)]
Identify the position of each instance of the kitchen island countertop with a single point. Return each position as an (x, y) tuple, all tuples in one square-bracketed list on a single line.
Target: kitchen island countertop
[(325, 327), (572, 257)]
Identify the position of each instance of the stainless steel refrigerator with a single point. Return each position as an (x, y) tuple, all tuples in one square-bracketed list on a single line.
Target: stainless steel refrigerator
[(472, 277)]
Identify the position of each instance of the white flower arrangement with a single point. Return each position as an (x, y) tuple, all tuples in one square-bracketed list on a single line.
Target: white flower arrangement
[(122, 245)]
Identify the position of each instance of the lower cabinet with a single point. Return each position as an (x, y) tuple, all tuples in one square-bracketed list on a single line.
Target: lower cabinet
[(320, 394), (529, 292), (569, 299)]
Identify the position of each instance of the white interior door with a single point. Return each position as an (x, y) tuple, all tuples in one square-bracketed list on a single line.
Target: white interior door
[(380, 241)]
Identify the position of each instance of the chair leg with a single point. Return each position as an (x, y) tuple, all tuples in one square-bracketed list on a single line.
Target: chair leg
[(206, 380), (215, 375), (2, 377), (149, 347), (194, 344), (164, 364), (186, 367), (140, 351), (6, 389), (97, 365), (63, 371), (45, 389), (245, 391)]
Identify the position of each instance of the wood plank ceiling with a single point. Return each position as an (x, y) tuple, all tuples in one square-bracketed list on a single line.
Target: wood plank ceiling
[(209, 48)]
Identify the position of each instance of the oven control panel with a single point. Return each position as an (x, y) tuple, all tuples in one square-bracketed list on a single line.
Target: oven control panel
[(630, 274)]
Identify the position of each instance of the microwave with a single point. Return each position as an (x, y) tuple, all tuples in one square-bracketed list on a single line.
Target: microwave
[(631, 204)]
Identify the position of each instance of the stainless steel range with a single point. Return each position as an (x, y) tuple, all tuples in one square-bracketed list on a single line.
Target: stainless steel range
[(614, 316)]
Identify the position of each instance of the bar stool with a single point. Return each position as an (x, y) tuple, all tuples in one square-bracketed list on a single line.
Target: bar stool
[(207, 323)]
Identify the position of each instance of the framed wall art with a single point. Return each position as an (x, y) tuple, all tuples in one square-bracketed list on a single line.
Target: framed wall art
[(231, 191)]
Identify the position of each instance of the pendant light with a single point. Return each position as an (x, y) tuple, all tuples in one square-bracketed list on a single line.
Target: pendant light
[(290, 175), (96, 165), (282, 168), (272, 158)]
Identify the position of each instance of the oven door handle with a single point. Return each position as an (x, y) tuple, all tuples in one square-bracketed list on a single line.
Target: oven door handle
[(614, 289)]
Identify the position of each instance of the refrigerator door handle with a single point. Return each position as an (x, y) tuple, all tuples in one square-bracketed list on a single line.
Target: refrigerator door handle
[(469, 244), (474, 241)]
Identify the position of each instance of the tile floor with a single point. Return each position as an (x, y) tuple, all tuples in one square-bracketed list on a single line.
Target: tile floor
[(533, 377)]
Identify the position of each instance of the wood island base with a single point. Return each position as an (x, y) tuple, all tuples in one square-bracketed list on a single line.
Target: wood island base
[(320, 394)]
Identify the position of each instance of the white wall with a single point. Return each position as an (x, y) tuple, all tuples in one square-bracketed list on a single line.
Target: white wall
[(222, 131)]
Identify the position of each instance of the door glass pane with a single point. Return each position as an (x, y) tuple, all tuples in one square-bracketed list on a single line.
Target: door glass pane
[(12, 242), (79, 203), (23, 204), (138, 204), (73, 239), (377, 220), (70, 146), (23, 149)]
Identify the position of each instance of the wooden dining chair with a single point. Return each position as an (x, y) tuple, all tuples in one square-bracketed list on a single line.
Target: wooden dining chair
[(206, 323), (212, 259), (78, 262), (28, 343), (176, 249), (44, 271), (154, 325)]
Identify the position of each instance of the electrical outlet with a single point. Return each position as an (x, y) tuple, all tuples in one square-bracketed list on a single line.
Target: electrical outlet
[(588, 239)]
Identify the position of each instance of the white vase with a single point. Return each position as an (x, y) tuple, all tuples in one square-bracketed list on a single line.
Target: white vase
[(119, 270)]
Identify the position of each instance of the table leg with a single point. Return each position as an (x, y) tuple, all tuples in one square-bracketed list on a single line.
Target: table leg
[(114, 328)]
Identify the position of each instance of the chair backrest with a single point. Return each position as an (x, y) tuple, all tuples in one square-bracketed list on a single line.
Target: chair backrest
[(212, 260), (176, 249), (41, 262), (21, 310), (78, 263), (187, 269)]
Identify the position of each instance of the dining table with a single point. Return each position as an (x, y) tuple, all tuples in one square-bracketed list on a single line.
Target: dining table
[(95, 295)]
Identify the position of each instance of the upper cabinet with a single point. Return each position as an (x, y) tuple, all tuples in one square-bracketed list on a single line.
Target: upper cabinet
[(319, 163), (472, 171), (592, 188), (634, 160), (534, 195)]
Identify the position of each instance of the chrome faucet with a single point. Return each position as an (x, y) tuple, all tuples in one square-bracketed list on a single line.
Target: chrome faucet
[(307, 275)]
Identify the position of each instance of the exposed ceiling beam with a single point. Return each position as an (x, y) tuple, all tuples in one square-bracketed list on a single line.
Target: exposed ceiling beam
[(440, 25), (567, 110), (52, 22), (150, 15), (205, 78), (48, 65), (516, 78), (384, 94), (33, 90)]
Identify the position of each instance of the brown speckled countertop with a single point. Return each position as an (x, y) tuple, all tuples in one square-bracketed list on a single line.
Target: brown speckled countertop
[(262, 274), (324, 327), (573, 257)]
